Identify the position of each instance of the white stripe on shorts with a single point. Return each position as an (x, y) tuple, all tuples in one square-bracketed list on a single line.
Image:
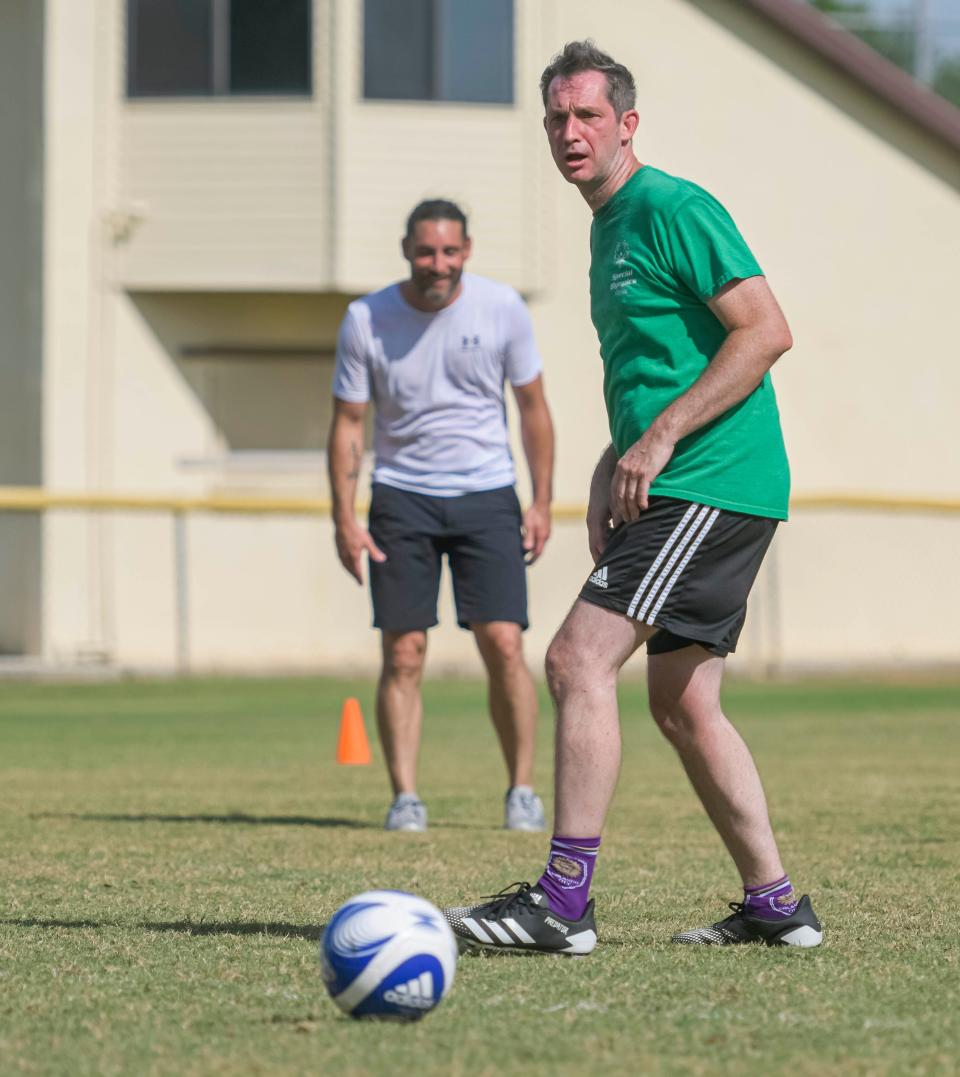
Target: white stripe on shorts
[(683, 564), (675, 554), (677, 531)]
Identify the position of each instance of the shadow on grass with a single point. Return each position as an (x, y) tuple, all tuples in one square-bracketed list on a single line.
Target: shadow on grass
[(312, 932), (233, 817), (490, 953)]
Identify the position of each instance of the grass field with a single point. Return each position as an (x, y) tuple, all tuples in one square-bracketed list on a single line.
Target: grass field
[(171, 850)]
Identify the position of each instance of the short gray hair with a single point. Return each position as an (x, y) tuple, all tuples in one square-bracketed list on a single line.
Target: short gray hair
[(578, 56)]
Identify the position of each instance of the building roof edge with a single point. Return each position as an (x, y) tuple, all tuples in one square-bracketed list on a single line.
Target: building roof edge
[(844, 50)]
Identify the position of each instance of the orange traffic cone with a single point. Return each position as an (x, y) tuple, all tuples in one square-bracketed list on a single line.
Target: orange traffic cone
[(352, 745)]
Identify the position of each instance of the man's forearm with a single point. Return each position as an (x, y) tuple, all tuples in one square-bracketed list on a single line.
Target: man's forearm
[(344, 457), (536, 433), (731, 376)]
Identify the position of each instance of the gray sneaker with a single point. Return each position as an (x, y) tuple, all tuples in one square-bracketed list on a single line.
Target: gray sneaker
[(523, 810), (407, 812)]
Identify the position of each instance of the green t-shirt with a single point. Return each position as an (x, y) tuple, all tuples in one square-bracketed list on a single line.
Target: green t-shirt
[(660, 248)]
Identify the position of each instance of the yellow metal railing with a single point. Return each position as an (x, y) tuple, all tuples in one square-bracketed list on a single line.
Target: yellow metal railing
[(877, 503), (37, 499)]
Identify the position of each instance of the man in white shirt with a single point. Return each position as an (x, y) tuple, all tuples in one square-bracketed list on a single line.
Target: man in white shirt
[(433, 353)]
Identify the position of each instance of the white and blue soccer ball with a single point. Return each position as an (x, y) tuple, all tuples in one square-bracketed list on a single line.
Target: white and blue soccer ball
[(386, 953)]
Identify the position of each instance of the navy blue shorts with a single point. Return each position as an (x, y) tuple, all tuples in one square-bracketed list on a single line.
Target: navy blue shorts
[(481, 536)]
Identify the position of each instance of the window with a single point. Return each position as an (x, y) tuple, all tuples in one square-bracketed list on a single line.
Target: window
[(438, 50), (218, 47)]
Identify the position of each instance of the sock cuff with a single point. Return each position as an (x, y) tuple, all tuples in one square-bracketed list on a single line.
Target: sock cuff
[(580, 845), (767, 888)]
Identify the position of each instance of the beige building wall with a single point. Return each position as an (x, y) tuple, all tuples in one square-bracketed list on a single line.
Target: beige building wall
[(199, 256)]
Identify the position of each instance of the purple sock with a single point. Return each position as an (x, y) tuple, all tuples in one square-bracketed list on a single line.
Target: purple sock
[(772, 901), (569, 870)]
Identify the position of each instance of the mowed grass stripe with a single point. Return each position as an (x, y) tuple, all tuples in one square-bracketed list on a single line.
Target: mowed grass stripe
[(171, 850)]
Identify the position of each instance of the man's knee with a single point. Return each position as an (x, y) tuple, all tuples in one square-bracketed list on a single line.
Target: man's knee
[(501, 643), (678, 719), (561, 666), (403, 656), (665, 713)]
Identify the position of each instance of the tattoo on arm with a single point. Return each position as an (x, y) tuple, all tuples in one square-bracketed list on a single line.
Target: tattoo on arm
[(354, 473)]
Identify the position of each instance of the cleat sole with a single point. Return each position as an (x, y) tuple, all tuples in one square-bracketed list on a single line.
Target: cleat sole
[(804, 936)]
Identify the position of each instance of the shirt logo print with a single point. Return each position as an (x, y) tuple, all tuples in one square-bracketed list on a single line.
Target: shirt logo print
[(470, 342), (622, 276)]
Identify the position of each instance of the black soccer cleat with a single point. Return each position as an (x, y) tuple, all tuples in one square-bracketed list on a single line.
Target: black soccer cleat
[(800, 929), (519, 918)]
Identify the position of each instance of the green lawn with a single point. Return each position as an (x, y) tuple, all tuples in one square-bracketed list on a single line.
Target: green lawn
[(170, 851)]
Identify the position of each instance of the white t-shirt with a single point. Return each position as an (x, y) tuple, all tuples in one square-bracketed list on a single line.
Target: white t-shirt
[(437, 381)]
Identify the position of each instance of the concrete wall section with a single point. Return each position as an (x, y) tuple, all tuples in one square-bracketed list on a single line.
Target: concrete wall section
[(874, 590), (192, 416), (268, 593), (21, 318)]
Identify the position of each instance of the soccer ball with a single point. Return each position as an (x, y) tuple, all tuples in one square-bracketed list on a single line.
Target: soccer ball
[(388, 954)]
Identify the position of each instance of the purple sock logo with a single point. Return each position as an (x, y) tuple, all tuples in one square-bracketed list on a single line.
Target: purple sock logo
[(567, 871), (785, 904)]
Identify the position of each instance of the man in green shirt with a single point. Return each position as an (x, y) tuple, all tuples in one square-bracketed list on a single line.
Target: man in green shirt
[(683, 505)]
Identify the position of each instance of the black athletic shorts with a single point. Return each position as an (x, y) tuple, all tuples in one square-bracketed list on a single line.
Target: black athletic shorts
[(685, 568), (481, 536)]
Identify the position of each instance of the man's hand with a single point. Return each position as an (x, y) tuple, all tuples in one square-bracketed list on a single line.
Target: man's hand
[(352, 540), (635, 471), (536, 530)]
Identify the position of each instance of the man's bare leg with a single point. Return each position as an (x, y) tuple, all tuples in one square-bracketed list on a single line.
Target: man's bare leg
[(400, 706), (512, 695), (583, 662), (684, 689)]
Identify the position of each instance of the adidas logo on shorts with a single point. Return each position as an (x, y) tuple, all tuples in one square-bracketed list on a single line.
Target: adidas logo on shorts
[(599, 578)]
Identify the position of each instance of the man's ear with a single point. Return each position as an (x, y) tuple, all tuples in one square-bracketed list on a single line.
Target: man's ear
[(467, 248), (405, 247), (629, 122)]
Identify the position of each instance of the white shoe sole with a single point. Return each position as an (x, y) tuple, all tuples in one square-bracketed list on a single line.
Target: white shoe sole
[(805, 935), (578, 945)]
